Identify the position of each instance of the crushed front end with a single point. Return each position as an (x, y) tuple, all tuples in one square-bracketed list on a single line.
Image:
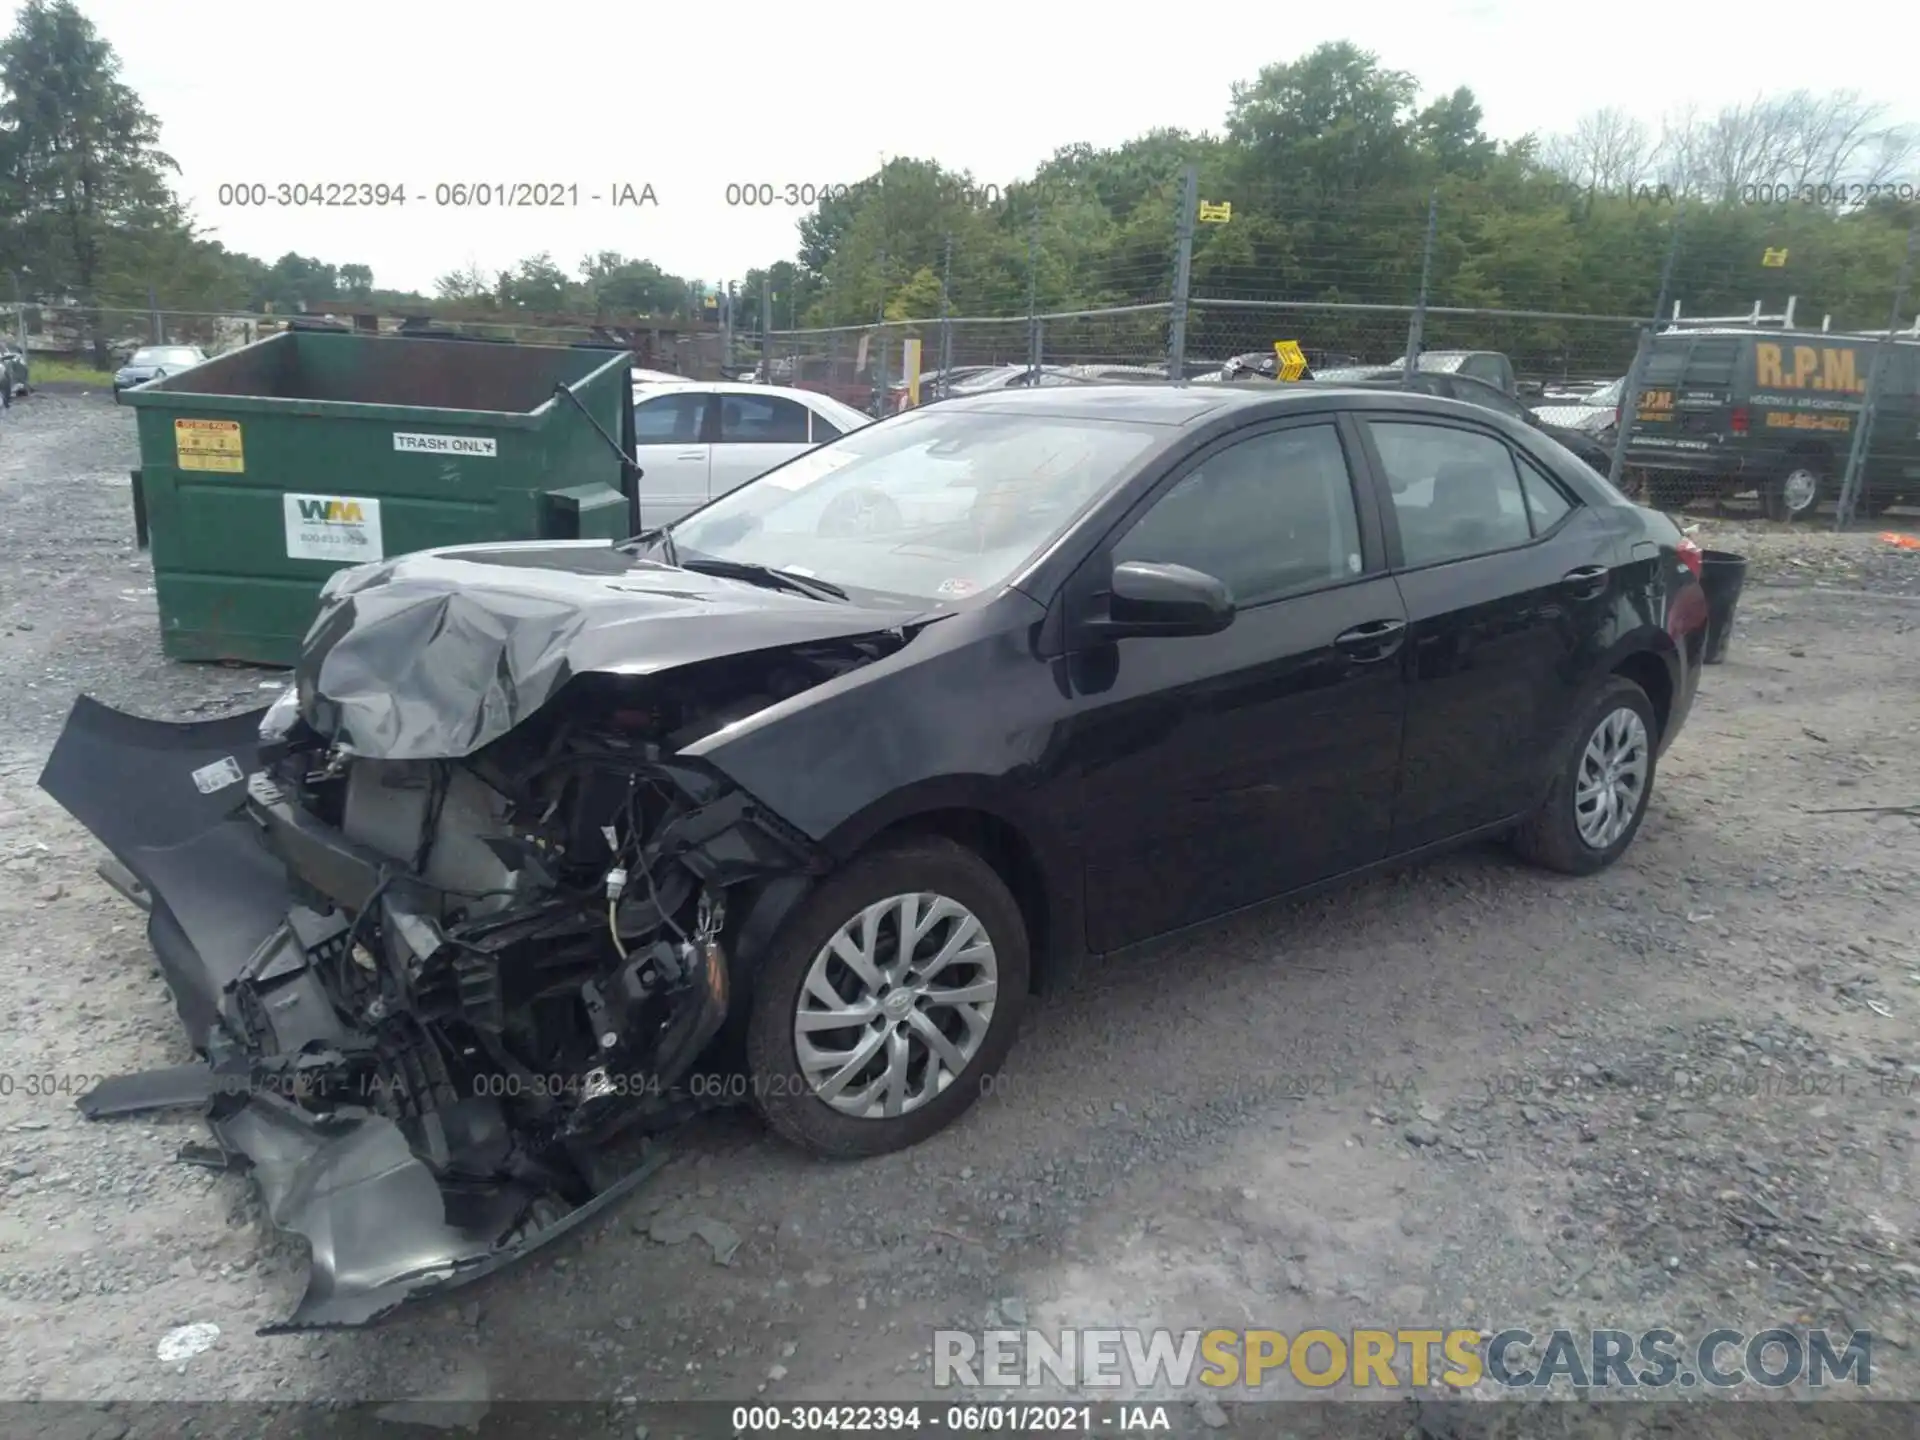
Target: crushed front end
[(440, 1004)]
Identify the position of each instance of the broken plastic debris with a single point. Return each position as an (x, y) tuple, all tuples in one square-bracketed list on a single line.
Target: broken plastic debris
[(187, 1341), (1905, 542), (678, 1229)]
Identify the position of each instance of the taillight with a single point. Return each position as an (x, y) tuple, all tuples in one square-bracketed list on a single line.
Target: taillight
[(1738, 420), (1689, 554)]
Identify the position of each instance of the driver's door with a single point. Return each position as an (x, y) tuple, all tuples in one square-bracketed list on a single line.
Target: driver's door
[(1220, 770)]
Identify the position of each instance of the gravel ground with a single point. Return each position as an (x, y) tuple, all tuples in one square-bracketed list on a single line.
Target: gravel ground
[(1682, 1093)]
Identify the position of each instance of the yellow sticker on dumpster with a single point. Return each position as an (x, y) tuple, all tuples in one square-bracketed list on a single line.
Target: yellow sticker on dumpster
[(209, 445)]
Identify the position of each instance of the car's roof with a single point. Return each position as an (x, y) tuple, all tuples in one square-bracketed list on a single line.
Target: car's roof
[(731, 387), (1179, 403)]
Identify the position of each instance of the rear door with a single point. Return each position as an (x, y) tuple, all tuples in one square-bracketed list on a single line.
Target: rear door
[(671, 446), (1704, 400), (756, 433), (1506, 579)]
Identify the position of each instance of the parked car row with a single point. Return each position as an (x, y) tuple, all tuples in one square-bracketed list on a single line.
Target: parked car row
[(155, 362)]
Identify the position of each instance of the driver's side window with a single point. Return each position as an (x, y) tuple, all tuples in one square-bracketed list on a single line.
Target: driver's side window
[(1269, 516)]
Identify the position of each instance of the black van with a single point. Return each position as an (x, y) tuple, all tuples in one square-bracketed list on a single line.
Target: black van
[(1724, 411)]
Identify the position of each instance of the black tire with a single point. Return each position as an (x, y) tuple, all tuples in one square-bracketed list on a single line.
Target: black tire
[(1795, 491), (780, 1090), (1550, 837)]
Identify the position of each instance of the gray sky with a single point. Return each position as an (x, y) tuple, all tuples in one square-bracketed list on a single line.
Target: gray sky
[(689, 98)]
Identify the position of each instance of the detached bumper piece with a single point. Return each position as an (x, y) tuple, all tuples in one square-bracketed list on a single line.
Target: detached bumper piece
[(363, 1041)]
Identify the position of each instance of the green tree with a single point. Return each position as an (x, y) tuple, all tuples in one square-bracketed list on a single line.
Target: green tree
[(536, 285), (616, 285), (79, 155)]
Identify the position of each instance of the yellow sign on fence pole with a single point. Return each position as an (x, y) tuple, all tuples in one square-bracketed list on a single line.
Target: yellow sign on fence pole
[(1216, 214)]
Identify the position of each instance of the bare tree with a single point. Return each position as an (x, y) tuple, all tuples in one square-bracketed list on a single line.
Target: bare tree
[(1826, 142), (1744, 145), (1677, 160), (1607, 152)]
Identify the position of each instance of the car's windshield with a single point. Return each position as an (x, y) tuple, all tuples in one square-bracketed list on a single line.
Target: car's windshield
[(935, 505), (164, 355)]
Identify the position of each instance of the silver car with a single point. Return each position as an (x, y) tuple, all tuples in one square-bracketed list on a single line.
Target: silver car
[(696, 440), (155, 362)]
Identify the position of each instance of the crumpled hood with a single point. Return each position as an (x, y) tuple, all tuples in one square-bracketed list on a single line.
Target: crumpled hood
[(437, 654)]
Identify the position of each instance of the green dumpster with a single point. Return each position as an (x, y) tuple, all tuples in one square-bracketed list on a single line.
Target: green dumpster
[(265, 470)]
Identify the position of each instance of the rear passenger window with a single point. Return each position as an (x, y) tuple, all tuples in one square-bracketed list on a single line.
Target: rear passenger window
[(1456, 493), (824, 429), (1711, 363), (762, 420), (1904, 374), (1545, 503), (1666, 363)]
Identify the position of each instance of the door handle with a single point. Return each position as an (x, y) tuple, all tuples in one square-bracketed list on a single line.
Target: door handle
[(1375, 640), (1587, 581), (691, 455)]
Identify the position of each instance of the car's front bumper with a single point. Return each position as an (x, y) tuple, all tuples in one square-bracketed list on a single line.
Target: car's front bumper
[(215, 854)]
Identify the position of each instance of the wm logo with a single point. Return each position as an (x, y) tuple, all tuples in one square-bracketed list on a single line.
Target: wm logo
[(332, 512)]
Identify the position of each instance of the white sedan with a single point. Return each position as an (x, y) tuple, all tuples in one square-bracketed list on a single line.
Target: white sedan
[(697, 440)]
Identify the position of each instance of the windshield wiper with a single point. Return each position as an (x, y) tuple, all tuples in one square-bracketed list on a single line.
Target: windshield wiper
[(661, 533), (746, 570)]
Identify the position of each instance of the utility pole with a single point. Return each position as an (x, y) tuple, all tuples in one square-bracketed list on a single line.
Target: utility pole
[(879, 365), (1854, 481), (946, 324), (1630, 392), (1033, 291), (1417, 326), (1182, 272), (766, 327)]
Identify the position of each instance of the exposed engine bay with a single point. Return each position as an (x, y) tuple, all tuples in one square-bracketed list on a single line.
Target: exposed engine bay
[(475, 985)]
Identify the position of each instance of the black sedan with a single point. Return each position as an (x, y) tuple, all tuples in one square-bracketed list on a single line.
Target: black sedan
[(819, 782)]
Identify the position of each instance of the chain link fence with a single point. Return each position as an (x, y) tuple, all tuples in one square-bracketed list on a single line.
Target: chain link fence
[(1573, 297), (70, 340)]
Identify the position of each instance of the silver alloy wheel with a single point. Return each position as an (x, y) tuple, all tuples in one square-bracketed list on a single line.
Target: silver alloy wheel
[(1799, 490), (895, 1006), (1612, 782)]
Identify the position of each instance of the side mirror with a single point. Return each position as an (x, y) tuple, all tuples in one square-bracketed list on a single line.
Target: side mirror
[(1151, 599)]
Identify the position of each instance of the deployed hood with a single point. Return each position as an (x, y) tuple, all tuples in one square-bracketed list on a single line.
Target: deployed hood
[(437, 654)]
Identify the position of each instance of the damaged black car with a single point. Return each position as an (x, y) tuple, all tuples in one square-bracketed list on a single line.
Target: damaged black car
[(804, 793)]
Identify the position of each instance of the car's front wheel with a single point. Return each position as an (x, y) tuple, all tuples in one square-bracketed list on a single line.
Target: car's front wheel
[(1600, 796), (888, 1001)]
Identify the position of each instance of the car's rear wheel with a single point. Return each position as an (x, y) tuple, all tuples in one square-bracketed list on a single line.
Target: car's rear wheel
[(888, 1000), (1795, 492), (1597, 801)]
